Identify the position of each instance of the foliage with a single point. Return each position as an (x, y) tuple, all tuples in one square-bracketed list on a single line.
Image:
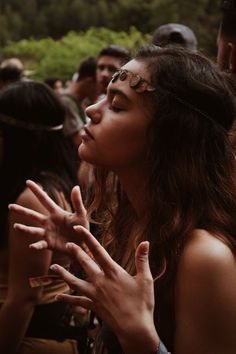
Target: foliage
[(48, 57), (54, 35)]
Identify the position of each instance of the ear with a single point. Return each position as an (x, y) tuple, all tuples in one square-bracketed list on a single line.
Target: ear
[(232, 57)]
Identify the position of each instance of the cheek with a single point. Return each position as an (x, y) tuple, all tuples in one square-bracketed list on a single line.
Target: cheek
[(118, 146)]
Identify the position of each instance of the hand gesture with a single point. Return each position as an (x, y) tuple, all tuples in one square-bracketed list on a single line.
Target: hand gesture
[(56, 228), (124, 302)]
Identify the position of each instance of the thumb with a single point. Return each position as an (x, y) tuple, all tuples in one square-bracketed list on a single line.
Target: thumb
[(77, 201), (142, 260)]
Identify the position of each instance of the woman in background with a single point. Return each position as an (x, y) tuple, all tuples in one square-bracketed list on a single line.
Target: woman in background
[(32, 146)]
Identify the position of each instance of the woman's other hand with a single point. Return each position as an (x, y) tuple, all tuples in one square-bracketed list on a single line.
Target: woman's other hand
[(56, 228)]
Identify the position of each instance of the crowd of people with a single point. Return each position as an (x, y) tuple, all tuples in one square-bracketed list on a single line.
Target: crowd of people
[(118, 201)]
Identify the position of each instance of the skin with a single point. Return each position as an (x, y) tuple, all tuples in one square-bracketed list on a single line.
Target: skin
[(226, 53), (119, 126), (82, 90), (205, 287), (106, 67), (58, 87)]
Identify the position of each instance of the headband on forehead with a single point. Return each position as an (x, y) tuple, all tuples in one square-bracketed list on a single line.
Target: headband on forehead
[(135, 81), (27, 125), (141, 85)]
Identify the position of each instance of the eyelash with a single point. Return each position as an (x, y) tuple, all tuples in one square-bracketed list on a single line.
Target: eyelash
[(115, 109)]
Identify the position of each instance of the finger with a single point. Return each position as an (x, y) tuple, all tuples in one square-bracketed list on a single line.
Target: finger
[(100, 254), (40, 245), (78, 301), (80, 310), (87, 263), (31, 230), (77, 201), (142, 260), (42, 196), (29, 213), (81, 286)]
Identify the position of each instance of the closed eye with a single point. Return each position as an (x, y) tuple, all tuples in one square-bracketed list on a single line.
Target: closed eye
[(116, 109)]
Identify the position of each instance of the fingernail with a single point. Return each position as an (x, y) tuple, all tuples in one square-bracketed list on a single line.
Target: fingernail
[(76, 227), (69, 245), (53, 267)]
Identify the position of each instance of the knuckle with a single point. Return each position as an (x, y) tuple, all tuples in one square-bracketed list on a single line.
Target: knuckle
[(96, 250), (142, 258), (74, 282), (84, 261), (98, 283)]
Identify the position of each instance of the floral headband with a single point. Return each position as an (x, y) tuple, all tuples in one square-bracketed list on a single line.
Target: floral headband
[(141, 85), (135, 81)]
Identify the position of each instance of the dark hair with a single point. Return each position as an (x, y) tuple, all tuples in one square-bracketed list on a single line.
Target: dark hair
[(44, 155), (116, 51), (228, 8), (174, 34), (191, 167), (51, 81), (10, 74), (87, 68)]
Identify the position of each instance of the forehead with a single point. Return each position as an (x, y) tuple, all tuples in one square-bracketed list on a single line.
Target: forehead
[(137, 67), (107, 60), (123, 87)]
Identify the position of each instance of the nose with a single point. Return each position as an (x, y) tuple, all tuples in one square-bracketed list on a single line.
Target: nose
[(105, 73), (94, 112)]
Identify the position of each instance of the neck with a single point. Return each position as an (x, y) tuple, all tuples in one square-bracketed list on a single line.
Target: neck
[(133, 183)]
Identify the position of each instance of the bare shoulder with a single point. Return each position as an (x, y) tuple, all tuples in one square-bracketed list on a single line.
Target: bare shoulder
[(205, 296), (205, 252), (29, 200)]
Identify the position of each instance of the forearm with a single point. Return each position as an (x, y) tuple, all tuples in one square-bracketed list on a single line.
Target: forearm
[(14, 320)]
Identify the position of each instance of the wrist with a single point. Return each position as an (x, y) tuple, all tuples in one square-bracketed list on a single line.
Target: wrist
[(140, 342), (162, 349)]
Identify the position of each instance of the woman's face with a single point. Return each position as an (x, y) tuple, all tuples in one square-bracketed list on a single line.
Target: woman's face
[(116, 136)]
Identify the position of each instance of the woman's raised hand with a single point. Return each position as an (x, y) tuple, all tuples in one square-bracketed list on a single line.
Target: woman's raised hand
[(124, 302), (56, 228)]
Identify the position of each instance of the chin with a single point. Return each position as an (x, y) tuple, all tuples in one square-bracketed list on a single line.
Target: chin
[(85, 155)]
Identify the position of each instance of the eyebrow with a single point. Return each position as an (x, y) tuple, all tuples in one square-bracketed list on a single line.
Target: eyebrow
[(120, 93)]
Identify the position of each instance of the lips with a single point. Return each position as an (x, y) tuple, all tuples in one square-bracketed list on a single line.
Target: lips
[(88, 133)]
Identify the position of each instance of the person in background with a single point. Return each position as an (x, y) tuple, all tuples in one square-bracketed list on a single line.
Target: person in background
[(84, 88), (226, 45), (55, 83), (175, 34), (226, 40), (32, 146), (12, 70), (169, 229), (110, 59)]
